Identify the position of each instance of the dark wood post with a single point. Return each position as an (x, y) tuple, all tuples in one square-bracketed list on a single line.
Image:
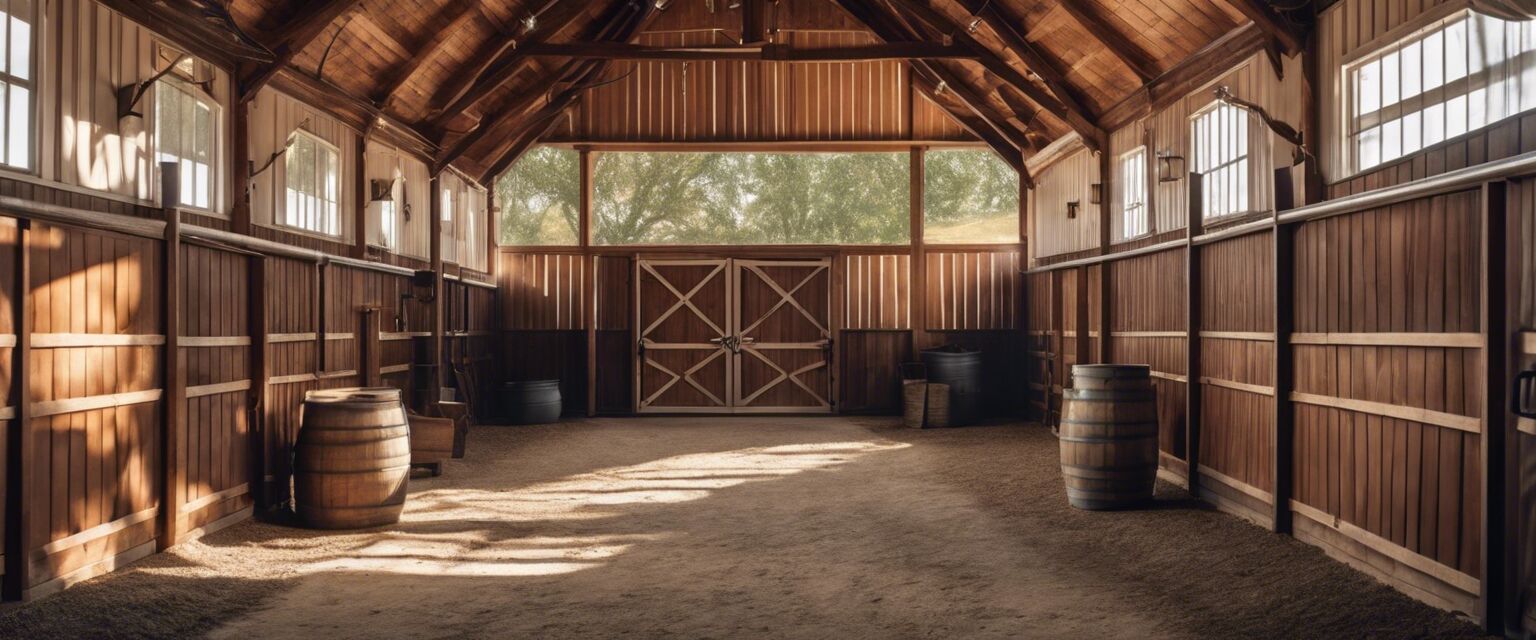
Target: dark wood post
[(1498, 344), (19, 539), (1283, 375), (240, 177), (1193, 322), (173, 401), (918, 288), (589, 284), (435, 356)]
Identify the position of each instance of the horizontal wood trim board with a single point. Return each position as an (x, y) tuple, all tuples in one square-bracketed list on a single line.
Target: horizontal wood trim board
[(47, 408), (1250, 336), (1387, 548), (339, 336), (100, 567), (1235, 484), (69, 340), (7, 340), (403, 335), (214, 498), (1527, 426), (331, 375), (1413, 414), (1149, 334), (1171, 377), (215, 389), (1528, 343), (1455, 340), (7, 413), (290, 379), (280, 338), (395, 368), (98, 531), (200, 342), (218, 525), (1238, 386)]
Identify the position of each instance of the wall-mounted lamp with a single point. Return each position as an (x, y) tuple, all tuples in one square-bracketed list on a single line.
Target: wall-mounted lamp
[(1096, 193), (1170, 168), (1072, 209), (381, 190)]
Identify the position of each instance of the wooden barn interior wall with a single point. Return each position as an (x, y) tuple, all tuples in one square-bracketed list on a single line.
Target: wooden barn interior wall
[(153, 369), (1340, 377)]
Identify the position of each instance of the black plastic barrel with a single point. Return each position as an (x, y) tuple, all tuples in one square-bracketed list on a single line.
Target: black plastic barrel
[(533, 402), (961, 370)]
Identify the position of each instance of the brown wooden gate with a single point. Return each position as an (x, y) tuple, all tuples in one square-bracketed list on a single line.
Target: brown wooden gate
[(733, 336)]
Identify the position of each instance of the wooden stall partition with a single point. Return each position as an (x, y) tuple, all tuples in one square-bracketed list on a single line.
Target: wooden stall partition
[(12, 310), (972, 299), (1388, 473), (1039, 347), (1148, 326), (1521, 468), (876, 330), (613, 294), (543, 317), (94, 386), (215, 434), (1237, 386), (292, 303)]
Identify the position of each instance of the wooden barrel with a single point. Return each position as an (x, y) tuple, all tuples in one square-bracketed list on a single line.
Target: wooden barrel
[(1109, 440), (1112, 376), (533, 402), (960, 370), (353, 459)]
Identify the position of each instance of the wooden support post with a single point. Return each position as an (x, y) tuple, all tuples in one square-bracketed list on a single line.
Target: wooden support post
[(363, 193), (1106, 242), (434, 363), (919, 285), (1283, 374), (20, 441), (173, 479), (240, 178), (1192, 391), (262, 484), (1496, 420), (589, 292), (1516, 551), (1084, 346)]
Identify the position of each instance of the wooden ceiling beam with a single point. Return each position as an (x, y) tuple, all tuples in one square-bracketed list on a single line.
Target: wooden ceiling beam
[(501, 63), (1117, 43), (753, 22), (1058, 100), (458, 16), (973, 120), (768, 52), (291, 38), (1290, 37)]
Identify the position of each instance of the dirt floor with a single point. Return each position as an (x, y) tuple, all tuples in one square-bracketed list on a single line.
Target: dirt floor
[(745, 527)]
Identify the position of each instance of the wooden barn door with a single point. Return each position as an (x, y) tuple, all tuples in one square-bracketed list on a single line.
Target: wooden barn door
[(782, 351), (683, 317)]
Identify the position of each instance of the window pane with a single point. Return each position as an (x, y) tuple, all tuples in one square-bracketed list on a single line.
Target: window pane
[(313, 186), (540, 199), (18, 152), (750, 198), (21, 40), (969, 196)]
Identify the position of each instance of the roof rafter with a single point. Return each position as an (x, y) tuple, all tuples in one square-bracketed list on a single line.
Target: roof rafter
[(1059, 100), (1291, 39), (291, 38), (460, 14), (771, 52), (500, 65), (1137, 60)]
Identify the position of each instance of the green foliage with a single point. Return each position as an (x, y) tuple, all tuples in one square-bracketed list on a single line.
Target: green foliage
[(750, 198), (540, 199), (969, 195)]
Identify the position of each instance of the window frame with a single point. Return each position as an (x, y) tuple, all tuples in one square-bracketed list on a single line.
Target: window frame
[(215, 144), (30, 84), (278, 220), (1123, 184), (392, 238), (1244, 133)]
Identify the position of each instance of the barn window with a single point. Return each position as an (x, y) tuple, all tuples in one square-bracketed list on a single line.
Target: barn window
[(1133, 194), (750, 198), (1220, 140), (185, 125), (969, 196), (312, 186), (1457, 75), (540, 199), (16, 83)]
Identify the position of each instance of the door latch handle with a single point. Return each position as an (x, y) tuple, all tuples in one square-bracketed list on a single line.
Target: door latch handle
[(731, 343), (1523, 402)]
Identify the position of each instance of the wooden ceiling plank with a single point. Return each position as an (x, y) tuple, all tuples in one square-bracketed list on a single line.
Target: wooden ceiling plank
[(288, 40), (1059, 101), (1126, 51), (461, 14), (1272, 23), (502, 64)]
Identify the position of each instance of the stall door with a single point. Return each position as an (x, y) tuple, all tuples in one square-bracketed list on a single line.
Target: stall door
[(782, 362), (683, 317), (733, 336)]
